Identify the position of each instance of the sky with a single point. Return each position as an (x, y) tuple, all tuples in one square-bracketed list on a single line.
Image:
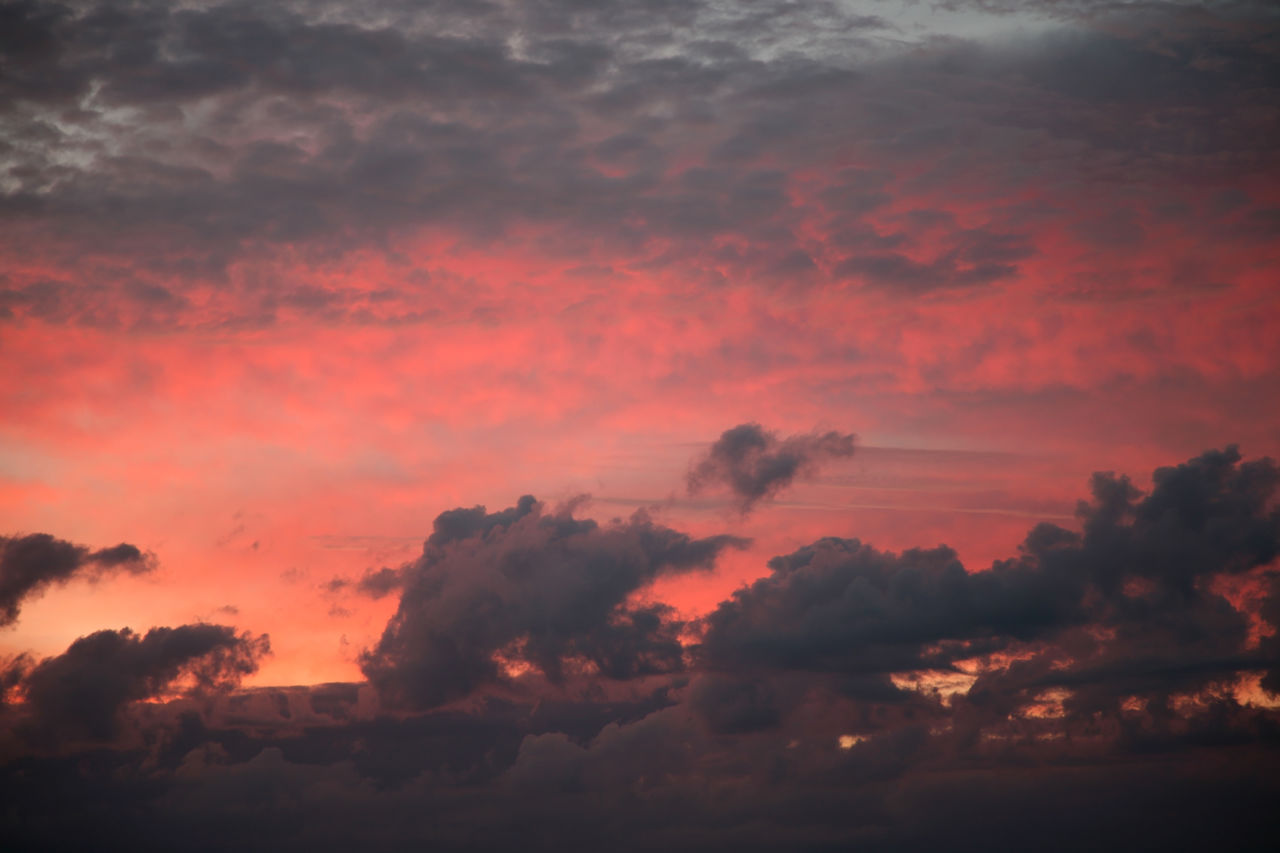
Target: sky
[(658, 424)]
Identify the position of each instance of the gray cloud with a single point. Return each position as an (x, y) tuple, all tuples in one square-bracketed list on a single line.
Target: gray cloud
[(1126, 608), (544, 589), (1104, 664), (82, 692), (32, 563), (754, 464), (187, 139)]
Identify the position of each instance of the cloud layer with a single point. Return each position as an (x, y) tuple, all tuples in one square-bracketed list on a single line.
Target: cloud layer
[(1115, 670)]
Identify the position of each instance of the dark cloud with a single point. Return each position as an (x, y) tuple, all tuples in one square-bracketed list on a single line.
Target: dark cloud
[(1128, 609), (736, 705), (314, 124), (81, 693), (31, 564), (842, 606), (375, 583), (1098, 702), (660, 781), (754, 464), (977, 257), (535, 588)]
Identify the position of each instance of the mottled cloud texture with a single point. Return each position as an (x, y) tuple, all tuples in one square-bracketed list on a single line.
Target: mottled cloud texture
[(196, 147)]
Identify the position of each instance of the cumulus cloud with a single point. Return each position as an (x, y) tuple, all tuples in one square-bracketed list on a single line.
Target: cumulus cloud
[(1131, 608), (31, 564), (82, 692), (1097, 668), (754, 464), (531, 587)]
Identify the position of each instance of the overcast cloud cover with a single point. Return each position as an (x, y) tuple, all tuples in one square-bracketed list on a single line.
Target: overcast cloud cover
[(846, 425)]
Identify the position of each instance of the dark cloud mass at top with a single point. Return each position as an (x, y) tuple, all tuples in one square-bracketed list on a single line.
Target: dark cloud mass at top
[(198, 138), (754, 464), (81, 693), (30, 564)]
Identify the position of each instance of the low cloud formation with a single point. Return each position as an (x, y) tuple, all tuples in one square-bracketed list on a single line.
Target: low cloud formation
[(853, 697), (754, 464), (524, 587), (1133, 611), (80, 693), (32, 563)]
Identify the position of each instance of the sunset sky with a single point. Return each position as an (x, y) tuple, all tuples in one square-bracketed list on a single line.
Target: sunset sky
[(894, 383)]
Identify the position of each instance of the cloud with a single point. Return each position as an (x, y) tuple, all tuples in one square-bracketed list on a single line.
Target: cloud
[(532, 588), (1131, 608), (378, 583), (82, 692), (977, 257), (1096, 667), (839, 605), (375, 583), (735, 706), (31, 564), (669, 138), (755, 465)]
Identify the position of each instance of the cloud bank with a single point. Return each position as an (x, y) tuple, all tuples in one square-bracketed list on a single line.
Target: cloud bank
[(1109, 671)]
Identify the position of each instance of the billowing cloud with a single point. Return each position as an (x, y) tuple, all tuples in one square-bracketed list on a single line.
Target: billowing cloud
[(82, 692), (754, 464), (32, 563), (832, 702), (1132, 608), (523, 586)]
